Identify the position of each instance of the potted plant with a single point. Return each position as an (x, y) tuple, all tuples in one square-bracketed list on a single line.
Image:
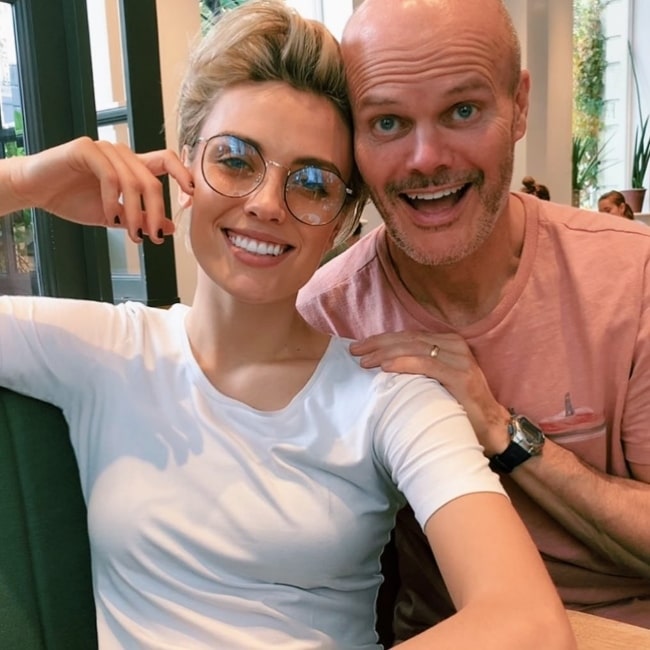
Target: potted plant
[(641, 150), (586, 159), (641, 154)]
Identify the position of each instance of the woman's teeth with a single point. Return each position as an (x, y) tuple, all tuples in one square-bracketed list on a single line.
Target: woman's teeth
[(257, 247)]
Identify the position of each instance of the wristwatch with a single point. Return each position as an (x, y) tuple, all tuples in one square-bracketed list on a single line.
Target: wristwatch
[(526, 440)]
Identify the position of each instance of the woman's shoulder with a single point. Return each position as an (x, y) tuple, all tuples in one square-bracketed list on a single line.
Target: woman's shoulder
[(342, 366)]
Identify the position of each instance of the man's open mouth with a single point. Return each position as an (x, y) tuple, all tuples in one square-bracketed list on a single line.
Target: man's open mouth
[(435, 199)]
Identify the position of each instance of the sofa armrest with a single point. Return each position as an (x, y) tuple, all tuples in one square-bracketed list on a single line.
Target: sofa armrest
[(46, 598)]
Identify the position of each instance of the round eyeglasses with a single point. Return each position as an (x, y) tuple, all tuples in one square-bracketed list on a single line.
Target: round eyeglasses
[(235, 168)]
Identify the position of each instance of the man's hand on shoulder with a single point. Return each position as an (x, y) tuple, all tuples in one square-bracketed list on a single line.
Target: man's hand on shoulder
[(448, 359)]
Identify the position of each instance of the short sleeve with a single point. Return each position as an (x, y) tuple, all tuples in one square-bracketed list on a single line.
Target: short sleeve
[(428, 447)]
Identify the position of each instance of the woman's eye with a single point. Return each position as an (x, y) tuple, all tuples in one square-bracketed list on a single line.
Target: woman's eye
[(234, 163), (464, 111)]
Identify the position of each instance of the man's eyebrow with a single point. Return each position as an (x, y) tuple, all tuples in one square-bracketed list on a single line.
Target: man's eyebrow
[(377, 101), (468, 86)]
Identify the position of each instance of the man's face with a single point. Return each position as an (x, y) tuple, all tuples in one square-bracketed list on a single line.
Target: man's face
[(436, 121)]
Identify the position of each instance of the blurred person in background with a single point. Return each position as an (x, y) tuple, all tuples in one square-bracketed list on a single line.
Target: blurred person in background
[(531, 186), (614, 203)]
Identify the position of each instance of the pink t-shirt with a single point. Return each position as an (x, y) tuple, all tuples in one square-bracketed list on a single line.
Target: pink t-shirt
[(568, 345)]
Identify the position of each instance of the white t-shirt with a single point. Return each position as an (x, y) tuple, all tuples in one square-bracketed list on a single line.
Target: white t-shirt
[(215, 525)]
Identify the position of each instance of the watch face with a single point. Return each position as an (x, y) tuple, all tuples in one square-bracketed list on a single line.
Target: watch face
[(526, 440), (531, 432)]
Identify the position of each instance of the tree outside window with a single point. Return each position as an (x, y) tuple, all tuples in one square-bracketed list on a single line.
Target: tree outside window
[(212, 8), (589, 66)]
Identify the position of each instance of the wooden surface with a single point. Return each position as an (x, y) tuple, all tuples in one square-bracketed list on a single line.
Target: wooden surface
[(597, 633)]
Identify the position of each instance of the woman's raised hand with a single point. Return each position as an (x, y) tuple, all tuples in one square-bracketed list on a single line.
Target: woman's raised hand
[(96, 183)]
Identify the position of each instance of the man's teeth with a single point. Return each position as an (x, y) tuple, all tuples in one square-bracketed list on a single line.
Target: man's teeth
[(257, 247), (430, 196)]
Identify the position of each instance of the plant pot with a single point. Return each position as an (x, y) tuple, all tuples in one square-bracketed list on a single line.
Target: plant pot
[(634, 198)]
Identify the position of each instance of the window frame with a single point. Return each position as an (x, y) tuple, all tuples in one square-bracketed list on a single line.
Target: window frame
[(58, 106), (56, 83)]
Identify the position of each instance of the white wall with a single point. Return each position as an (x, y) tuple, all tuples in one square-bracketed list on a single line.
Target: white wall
[(179, 22), (545, 30)]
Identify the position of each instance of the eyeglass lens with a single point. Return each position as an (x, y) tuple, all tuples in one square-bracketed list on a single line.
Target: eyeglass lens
[(235, 168)]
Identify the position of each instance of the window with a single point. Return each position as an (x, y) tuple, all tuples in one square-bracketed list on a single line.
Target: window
[(17, 260), (55, 70)]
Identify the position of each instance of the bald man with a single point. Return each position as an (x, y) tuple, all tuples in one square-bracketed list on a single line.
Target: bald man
[(535, 316)]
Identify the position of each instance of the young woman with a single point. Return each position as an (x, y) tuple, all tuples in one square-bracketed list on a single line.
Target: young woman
[(241, 471), (614, 203)]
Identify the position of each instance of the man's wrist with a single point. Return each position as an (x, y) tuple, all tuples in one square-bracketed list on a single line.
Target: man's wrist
[(526, 441), (499, 437)]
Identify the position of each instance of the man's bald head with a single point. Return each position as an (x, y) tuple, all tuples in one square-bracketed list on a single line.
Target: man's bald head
[(399, 23)]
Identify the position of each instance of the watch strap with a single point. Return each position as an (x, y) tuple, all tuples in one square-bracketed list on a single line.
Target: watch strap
[(506, 461)]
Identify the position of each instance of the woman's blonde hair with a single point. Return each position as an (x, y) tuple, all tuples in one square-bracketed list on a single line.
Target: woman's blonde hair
[(265, 40)]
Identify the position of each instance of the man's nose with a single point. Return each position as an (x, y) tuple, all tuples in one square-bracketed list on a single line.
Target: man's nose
[(429, 151)]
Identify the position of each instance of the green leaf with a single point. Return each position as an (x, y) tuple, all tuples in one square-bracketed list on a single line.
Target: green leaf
[(641, 155)]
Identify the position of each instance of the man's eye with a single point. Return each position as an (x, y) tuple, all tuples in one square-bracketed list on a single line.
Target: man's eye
[(464, 111), (386, 124)]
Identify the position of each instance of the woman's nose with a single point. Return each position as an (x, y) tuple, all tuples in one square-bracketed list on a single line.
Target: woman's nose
[(267, 201)]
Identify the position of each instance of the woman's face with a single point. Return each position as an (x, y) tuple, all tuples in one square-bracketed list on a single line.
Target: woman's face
[(609, 206), (252, 246)]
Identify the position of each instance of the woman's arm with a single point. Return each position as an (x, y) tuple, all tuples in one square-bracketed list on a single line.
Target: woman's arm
[(95, 183), (504, 597), (502, 591)]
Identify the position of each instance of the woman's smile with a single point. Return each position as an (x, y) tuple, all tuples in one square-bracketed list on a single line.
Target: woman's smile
[(256, 246)]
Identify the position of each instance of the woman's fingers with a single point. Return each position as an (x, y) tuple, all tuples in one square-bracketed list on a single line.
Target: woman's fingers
[(103, 184), (141, 208), (166, 162)]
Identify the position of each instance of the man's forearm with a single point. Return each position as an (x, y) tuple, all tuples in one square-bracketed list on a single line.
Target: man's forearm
[(610, 515)]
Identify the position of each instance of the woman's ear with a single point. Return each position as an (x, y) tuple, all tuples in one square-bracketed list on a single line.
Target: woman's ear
[(185, 200)]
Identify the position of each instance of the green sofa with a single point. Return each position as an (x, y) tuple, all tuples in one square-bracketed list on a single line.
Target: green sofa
[(46, 599)]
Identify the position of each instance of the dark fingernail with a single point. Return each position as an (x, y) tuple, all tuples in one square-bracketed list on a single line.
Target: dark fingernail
[(139, 233), (116, 220), (160, 233)]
